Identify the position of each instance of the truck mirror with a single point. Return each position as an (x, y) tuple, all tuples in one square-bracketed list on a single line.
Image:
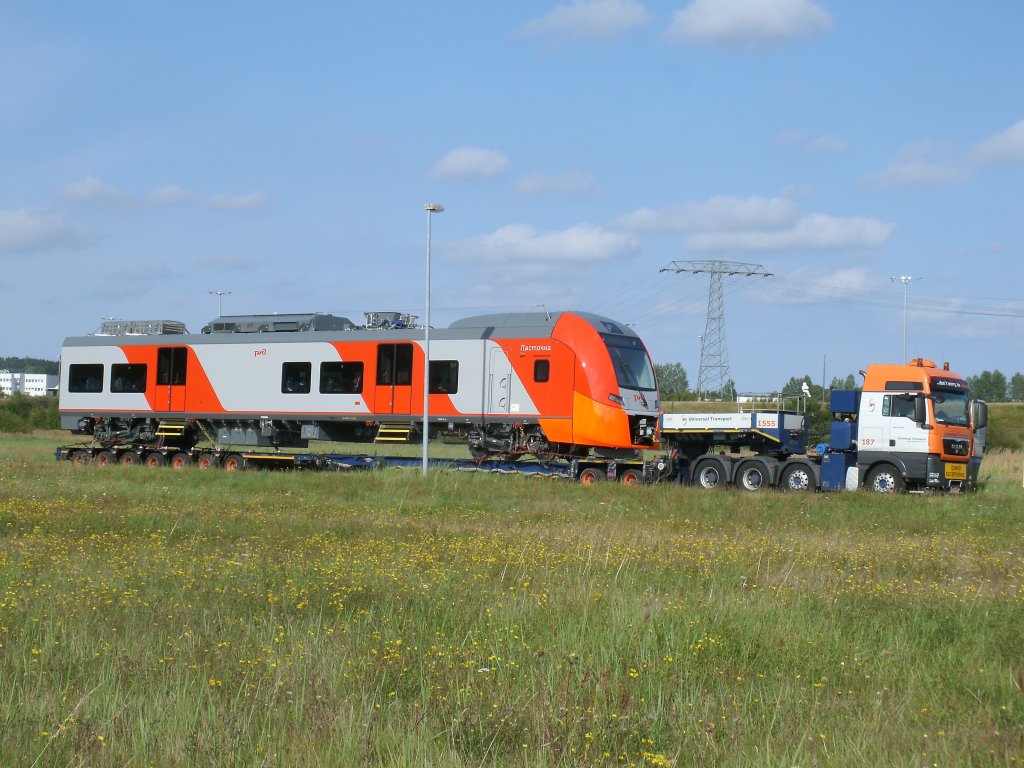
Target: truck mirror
[(979, 414), (921, 411)]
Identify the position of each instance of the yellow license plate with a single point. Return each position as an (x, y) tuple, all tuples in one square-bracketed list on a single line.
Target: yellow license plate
[(956, 471)]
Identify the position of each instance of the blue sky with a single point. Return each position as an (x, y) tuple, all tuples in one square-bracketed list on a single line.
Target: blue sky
[(153, 152)]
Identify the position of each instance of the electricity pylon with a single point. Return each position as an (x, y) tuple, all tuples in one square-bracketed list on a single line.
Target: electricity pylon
[(714, 357)]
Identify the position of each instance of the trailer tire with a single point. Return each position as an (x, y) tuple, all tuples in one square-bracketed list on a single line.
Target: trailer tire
[(753, 476), (155, 460), (709, 474), (180, 461), (78, 458), (206, 461), (591, 476), (797, 478), (885, 478), (234, 462), (129, 458), (631, 477), (103, 459)]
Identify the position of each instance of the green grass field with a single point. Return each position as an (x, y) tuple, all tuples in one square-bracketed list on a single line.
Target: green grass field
[(153, 617)]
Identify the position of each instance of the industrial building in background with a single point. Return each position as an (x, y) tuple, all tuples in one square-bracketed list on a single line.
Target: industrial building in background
[(32, 384)]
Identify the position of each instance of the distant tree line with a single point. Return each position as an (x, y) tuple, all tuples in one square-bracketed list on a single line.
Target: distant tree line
[(28, 365)]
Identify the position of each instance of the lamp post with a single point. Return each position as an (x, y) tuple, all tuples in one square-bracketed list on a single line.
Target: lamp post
[(220, 300), (431, 209), (905, 279)]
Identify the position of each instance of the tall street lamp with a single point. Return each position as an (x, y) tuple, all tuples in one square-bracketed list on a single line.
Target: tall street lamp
[(220, 300), (431, 209), (905, 279)]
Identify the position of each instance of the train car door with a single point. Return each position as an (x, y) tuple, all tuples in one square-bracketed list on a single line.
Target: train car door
[(171, 370), (499, 381), (393, 393)]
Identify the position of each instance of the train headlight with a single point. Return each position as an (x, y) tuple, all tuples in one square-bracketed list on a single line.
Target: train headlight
[(615, 398)]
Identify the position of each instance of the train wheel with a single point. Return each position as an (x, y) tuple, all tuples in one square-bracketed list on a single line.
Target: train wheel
[(156, 460), (104, 459), (709, 474), (631, 477), (180, 461), (234, 463), (797, 478), (885, 478), (591, 476), (205, 461), (752, 476), (128, 458), (78, 458)]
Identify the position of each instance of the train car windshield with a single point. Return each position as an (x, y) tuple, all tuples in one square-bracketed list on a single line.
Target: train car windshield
[(951, 401), (633, 366)]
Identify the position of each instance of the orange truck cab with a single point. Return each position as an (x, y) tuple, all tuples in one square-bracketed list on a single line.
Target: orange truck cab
[(916, 429)]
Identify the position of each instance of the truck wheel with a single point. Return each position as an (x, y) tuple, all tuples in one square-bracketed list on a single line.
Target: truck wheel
[(709, 474), (234, 463), (631, 477), (885, 478), (797, 478), (155, 460), (205, 461), (180, 461), (752, 476), (129, 458), (78, 458), (591, 476), (104, 459)]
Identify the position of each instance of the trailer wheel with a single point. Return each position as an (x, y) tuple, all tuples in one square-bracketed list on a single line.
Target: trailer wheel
[(631, 477), (591, 476), (234, 462), (205, 461), (709, 474), (156, 460), (103, 459), (129, 458), (885, 478), (753, 476), (797, 477), (78, 458), (180, 461)]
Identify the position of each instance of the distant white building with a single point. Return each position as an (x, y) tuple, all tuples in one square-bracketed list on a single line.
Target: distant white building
[(32, 384)]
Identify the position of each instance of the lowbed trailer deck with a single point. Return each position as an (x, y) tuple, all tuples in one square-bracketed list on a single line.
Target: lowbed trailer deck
[(587, 470)]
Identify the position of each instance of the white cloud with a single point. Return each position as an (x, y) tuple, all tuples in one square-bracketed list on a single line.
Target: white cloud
[(471, 163), (172, 195), (757, 224), (747, 22), (522, 243), (928, 164), (94, 191), (27, 230), (810, 231), (590, 19), (573, 183), (718, 213)]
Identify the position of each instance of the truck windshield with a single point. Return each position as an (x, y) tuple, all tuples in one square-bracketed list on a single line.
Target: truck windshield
[(951, 408), (633, 367)]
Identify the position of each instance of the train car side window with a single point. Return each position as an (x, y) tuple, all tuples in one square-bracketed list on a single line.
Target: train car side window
[(341, 378), (170, 365), (295, 377), (128, 377), (444, 377), (85, 378), (394, 364), (541, 370)]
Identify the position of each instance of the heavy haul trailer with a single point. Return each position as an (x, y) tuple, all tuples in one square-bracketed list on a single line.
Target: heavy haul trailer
[(587, 471), (912, 427)]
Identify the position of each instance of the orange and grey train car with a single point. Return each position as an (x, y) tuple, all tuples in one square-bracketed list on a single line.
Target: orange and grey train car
[(558, 383)]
